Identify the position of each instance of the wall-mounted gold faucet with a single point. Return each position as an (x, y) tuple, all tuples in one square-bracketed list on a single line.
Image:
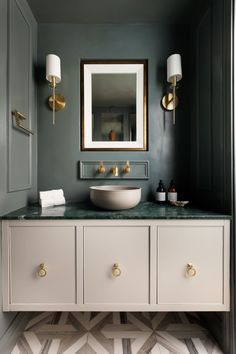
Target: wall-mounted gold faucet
[(115, 171), (101, 168), (127, 168)]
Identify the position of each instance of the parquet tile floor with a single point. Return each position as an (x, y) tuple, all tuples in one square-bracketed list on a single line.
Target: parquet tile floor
[(115, 333)]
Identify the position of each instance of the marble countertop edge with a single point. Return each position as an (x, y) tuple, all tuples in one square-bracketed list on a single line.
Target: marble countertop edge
[(145, 210)]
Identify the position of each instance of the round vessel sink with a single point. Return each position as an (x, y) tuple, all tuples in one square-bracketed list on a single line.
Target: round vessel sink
[(115, 197)]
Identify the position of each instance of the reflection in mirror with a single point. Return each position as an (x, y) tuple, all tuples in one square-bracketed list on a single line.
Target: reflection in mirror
[(113, 107)]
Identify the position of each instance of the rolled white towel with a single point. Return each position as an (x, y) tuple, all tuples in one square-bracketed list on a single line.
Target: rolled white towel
[(59, 201), (52, 197), (58, 193), (46, 195), (46, 203)]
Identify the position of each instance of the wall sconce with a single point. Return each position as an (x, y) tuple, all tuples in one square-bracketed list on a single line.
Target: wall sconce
[(53, 75), (174, 74)]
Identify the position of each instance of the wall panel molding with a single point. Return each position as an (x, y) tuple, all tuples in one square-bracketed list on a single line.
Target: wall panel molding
[(19, 144), (138, 169)]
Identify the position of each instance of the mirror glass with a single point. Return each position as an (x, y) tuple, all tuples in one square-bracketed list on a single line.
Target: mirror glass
[(113, 103), (114, 107)]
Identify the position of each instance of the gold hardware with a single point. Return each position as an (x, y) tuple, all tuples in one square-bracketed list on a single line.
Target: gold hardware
[(127, 168), (116, 271), (169, 103), (60, 102), (19, 119), (190, 270), (42, 271), (115, 171), (101, 168)]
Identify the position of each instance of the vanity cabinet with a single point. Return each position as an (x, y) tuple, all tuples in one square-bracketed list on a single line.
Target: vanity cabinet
[(42, 264), (191, 265), (116, 265)]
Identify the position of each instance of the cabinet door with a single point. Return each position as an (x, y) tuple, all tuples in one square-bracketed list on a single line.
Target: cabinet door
[(53, 246), (190, 265), (128, 247)]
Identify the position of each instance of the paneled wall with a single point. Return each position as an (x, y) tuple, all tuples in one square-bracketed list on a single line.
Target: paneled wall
[(18, 151), (59, 145), (211, 128)]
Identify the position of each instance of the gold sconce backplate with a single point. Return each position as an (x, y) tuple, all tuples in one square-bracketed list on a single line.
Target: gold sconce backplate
[(168, 102), (59, 102)]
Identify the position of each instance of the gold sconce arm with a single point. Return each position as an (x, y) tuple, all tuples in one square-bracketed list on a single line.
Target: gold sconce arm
[(19, 117), (58, 101), (169, 103)]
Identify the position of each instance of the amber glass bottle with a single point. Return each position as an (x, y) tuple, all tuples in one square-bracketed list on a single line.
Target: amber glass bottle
[(172, 192)]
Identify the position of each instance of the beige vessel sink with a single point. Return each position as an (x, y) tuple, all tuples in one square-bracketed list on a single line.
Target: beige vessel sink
[(115, 197)]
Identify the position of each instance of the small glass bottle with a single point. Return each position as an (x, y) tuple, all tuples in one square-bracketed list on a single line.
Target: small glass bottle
[(172, 192), (161, 193)]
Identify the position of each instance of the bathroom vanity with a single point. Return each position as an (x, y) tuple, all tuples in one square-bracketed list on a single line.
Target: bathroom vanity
[(150, 258)]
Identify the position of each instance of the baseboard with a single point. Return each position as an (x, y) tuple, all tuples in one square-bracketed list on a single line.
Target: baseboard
[(10, 337)]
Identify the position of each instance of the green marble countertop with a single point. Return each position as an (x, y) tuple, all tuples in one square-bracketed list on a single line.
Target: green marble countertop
[(145, 210)]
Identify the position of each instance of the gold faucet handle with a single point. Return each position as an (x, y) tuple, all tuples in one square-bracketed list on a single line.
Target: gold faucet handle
[(115, 171), (190, 270), (42, 270), (116, 271), (101, 168), (127, 168)]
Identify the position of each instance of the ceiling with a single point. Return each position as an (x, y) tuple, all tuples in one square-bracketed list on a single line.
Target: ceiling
[(117, 11), (114, 90)]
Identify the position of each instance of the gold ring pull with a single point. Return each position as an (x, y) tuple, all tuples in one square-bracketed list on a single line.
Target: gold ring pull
[(42, 271), (116, 272), (190, 270)]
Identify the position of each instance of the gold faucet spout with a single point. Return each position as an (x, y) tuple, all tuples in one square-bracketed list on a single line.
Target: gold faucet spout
[(115, 171)]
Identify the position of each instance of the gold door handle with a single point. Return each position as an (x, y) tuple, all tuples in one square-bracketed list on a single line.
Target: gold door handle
[(42, 271), (116, 271), (190, 270)]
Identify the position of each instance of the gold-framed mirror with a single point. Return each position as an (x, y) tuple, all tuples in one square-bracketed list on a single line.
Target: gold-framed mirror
[(114, 105)]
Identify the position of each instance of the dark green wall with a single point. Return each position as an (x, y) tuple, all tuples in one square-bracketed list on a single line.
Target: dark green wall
[(212, 129), (211, 161), (59, 146), (14, 15)]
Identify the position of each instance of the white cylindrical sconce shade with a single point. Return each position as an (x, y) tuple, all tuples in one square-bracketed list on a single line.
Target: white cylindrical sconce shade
[(174, 67), (53, 67)]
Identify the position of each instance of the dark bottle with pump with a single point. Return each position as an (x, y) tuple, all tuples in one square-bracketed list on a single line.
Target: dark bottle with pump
[(172, 192), (161, 193)]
